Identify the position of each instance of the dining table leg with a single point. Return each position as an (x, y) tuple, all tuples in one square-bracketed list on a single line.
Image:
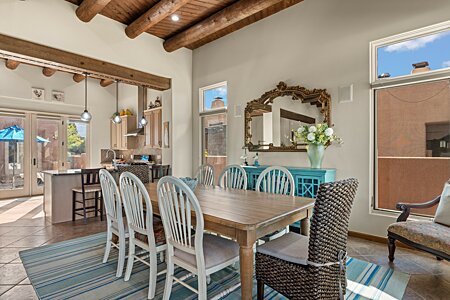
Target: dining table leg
[(305, 223), (246, 240)]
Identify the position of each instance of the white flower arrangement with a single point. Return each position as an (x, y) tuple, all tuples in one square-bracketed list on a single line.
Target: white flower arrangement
[(319, 134)]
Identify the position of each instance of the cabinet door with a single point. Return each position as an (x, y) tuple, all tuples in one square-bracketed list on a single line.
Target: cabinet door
[(157, 141), (114, 144), (148, 130), (123, 131)]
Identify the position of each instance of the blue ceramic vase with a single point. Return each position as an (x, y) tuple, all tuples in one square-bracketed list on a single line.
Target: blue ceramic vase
[(315, 155)]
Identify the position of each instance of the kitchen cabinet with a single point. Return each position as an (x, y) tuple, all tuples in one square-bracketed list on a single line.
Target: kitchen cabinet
[(118, 132), (153, 129)]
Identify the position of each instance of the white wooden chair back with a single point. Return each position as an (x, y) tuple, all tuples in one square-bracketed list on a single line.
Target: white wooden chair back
[(111, 197), (134, 196), (276, 180), (205, 174), (176, 203), (233, 177)]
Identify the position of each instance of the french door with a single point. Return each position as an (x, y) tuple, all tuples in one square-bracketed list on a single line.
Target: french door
[(31, 143)]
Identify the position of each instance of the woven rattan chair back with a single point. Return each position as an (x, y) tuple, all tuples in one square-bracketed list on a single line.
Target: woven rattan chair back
[(329, 223), (276, 180), (205, 174), (233, 177)]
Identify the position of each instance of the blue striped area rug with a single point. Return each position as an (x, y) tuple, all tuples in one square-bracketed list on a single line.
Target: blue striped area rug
[(73, 269)]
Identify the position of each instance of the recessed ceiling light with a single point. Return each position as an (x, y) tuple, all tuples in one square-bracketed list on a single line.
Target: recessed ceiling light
[(175, 18)]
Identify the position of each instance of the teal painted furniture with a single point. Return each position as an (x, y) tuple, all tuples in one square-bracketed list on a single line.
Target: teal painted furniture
[(306, 180)]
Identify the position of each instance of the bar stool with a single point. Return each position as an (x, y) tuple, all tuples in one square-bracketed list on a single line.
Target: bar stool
[(90, 183), (159, 171)]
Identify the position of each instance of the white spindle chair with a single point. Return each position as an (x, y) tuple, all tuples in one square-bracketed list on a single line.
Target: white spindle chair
[(140, 221), (205, 174), (233, 177), (114, 219), (201, 254), (276, 180)]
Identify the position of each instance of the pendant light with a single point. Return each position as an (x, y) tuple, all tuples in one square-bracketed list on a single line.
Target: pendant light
[(116, 117), (143, 120), (85, 116)]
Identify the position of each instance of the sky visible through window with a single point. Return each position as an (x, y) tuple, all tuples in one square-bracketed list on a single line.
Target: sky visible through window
[(397, 59), (209, 95)]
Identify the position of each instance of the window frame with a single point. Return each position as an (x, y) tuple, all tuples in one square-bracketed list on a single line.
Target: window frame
[(398, 38), (382, 83), (201, 107)]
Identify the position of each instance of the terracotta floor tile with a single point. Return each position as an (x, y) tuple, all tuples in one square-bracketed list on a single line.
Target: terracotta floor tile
[(25, 281), (4, 288), (12, 274), (9, 254), (401, 263), (430, 287), (410, 294), (30, 241), (431, 264), (22, 292), (6, 240)]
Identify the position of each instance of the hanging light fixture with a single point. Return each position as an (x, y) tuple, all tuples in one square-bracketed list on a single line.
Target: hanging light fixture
[(116, 119), (143, 120), (85, 116)]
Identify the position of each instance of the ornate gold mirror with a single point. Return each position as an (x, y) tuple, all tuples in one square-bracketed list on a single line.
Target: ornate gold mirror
[(271, 119)]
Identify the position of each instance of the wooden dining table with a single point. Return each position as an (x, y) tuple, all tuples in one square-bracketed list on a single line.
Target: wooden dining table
[(246, 216)]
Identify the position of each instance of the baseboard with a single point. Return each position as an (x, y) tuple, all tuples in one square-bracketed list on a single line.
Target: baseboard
[(374, 238)]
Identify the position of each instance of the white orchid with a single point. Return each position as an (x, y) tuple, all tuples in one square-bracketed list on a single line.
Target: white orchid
[(311, 136), (312, 129), (301, 129), (329, 131)]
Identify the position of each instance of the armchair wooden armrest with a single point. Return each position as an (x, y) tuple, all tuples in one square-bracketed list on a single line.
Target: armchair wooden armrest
[(406, 207)]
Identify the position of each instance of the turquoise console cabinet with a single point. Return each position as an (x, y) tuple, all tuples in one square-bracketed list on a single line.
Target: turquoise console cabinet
[(306, 180)]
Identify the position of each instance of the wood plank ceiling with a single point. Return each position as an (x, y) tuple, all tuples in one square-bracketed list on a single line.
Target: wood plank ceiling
[(201, 21)]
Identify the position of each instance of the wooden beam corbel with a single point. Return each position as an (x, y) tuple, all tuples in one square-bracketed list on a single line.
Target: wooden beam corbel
[(48, 72), (78, 77), (12, 64), (230, 18), (153, 16), (106, 82), (88, 9)]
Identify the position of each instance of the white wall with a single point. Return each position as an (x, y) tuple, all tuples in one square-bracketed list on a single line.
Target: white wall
[(54, 23), (317, 44)]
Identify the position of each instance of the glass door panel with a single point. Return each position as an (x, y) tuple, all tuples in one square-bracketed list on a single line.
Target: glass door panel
[(13, 169), (77, 157), (46, 150), (214, 142)]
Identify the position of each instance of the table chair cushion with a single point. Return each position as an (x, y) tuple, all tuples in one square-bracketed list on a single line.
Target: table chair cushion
[(88, 188), (217, 250), (291, 247), (426, 233), (442, 215), (158, 231)]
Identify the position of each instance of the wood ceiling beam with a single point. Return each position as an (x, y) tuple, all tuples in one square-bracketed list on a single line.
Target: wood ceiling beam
[(88, 9), (106, 82), (78, 77), (227, 17), (61, 60), (153, 16), (48, 72), (12, 64)]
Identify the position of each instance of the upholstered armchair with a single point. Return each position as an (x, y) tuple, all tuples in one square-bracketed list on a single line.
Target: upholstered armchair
[(429, 236)]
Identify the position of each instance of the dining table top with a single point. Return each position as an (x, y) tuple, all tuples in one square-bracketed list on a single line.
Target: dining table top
[(241, 209)]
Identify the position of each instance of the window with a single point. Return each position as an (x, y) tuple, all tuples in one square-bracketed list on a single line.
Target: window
[(412, 121), (213, 118), (412, 53), (77, 133)]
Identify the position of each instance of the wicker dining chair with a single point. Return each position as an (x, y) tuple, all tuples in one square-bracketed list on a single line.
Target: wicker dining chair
[(311, 268), (205, 174)]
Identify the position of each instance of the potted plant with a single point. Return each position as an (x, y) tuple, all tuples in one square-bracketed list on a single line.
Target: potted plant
[(317, 137)]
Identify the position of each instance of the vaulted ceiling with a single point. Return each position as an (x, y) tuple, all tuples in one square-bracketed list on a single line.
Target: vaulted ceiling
[(200, 21)]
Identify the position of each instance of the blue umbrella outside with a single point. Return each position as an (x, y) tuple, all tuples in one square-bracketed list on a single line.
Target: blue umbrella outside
[(15, 134)]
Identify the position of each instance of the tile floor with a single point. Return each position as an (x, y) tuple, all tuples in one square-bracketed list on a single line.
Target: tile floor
[(22, 226)]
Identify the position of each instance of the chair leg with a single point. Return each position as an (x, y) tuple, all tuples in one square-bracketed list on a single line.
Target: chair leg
[(101, 207), (391, 247), (439, 258), (96, 203), (169, 275), (121, 259), (202, 287), (108, 244), (130, 257), (260, 289), (153, 276), (74, 197)]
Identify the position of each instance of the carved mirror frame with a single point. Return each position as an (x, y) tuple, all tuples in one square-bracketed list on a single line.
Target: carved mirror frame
[(317, 97)]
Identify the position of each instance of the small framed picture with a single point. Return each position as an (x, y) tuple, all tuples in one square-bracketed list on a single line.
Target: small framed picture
[(58, 96), (37, 94), (166, 134)]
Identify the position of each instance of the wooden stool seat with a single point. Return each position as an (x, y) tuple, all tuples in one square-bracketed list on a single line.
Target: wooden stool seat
[(90, 184), (88, 189)]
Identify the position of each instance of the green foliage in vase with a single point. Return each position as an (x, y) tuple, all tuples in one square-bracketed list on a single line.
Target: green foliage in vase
[(318, 134)]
